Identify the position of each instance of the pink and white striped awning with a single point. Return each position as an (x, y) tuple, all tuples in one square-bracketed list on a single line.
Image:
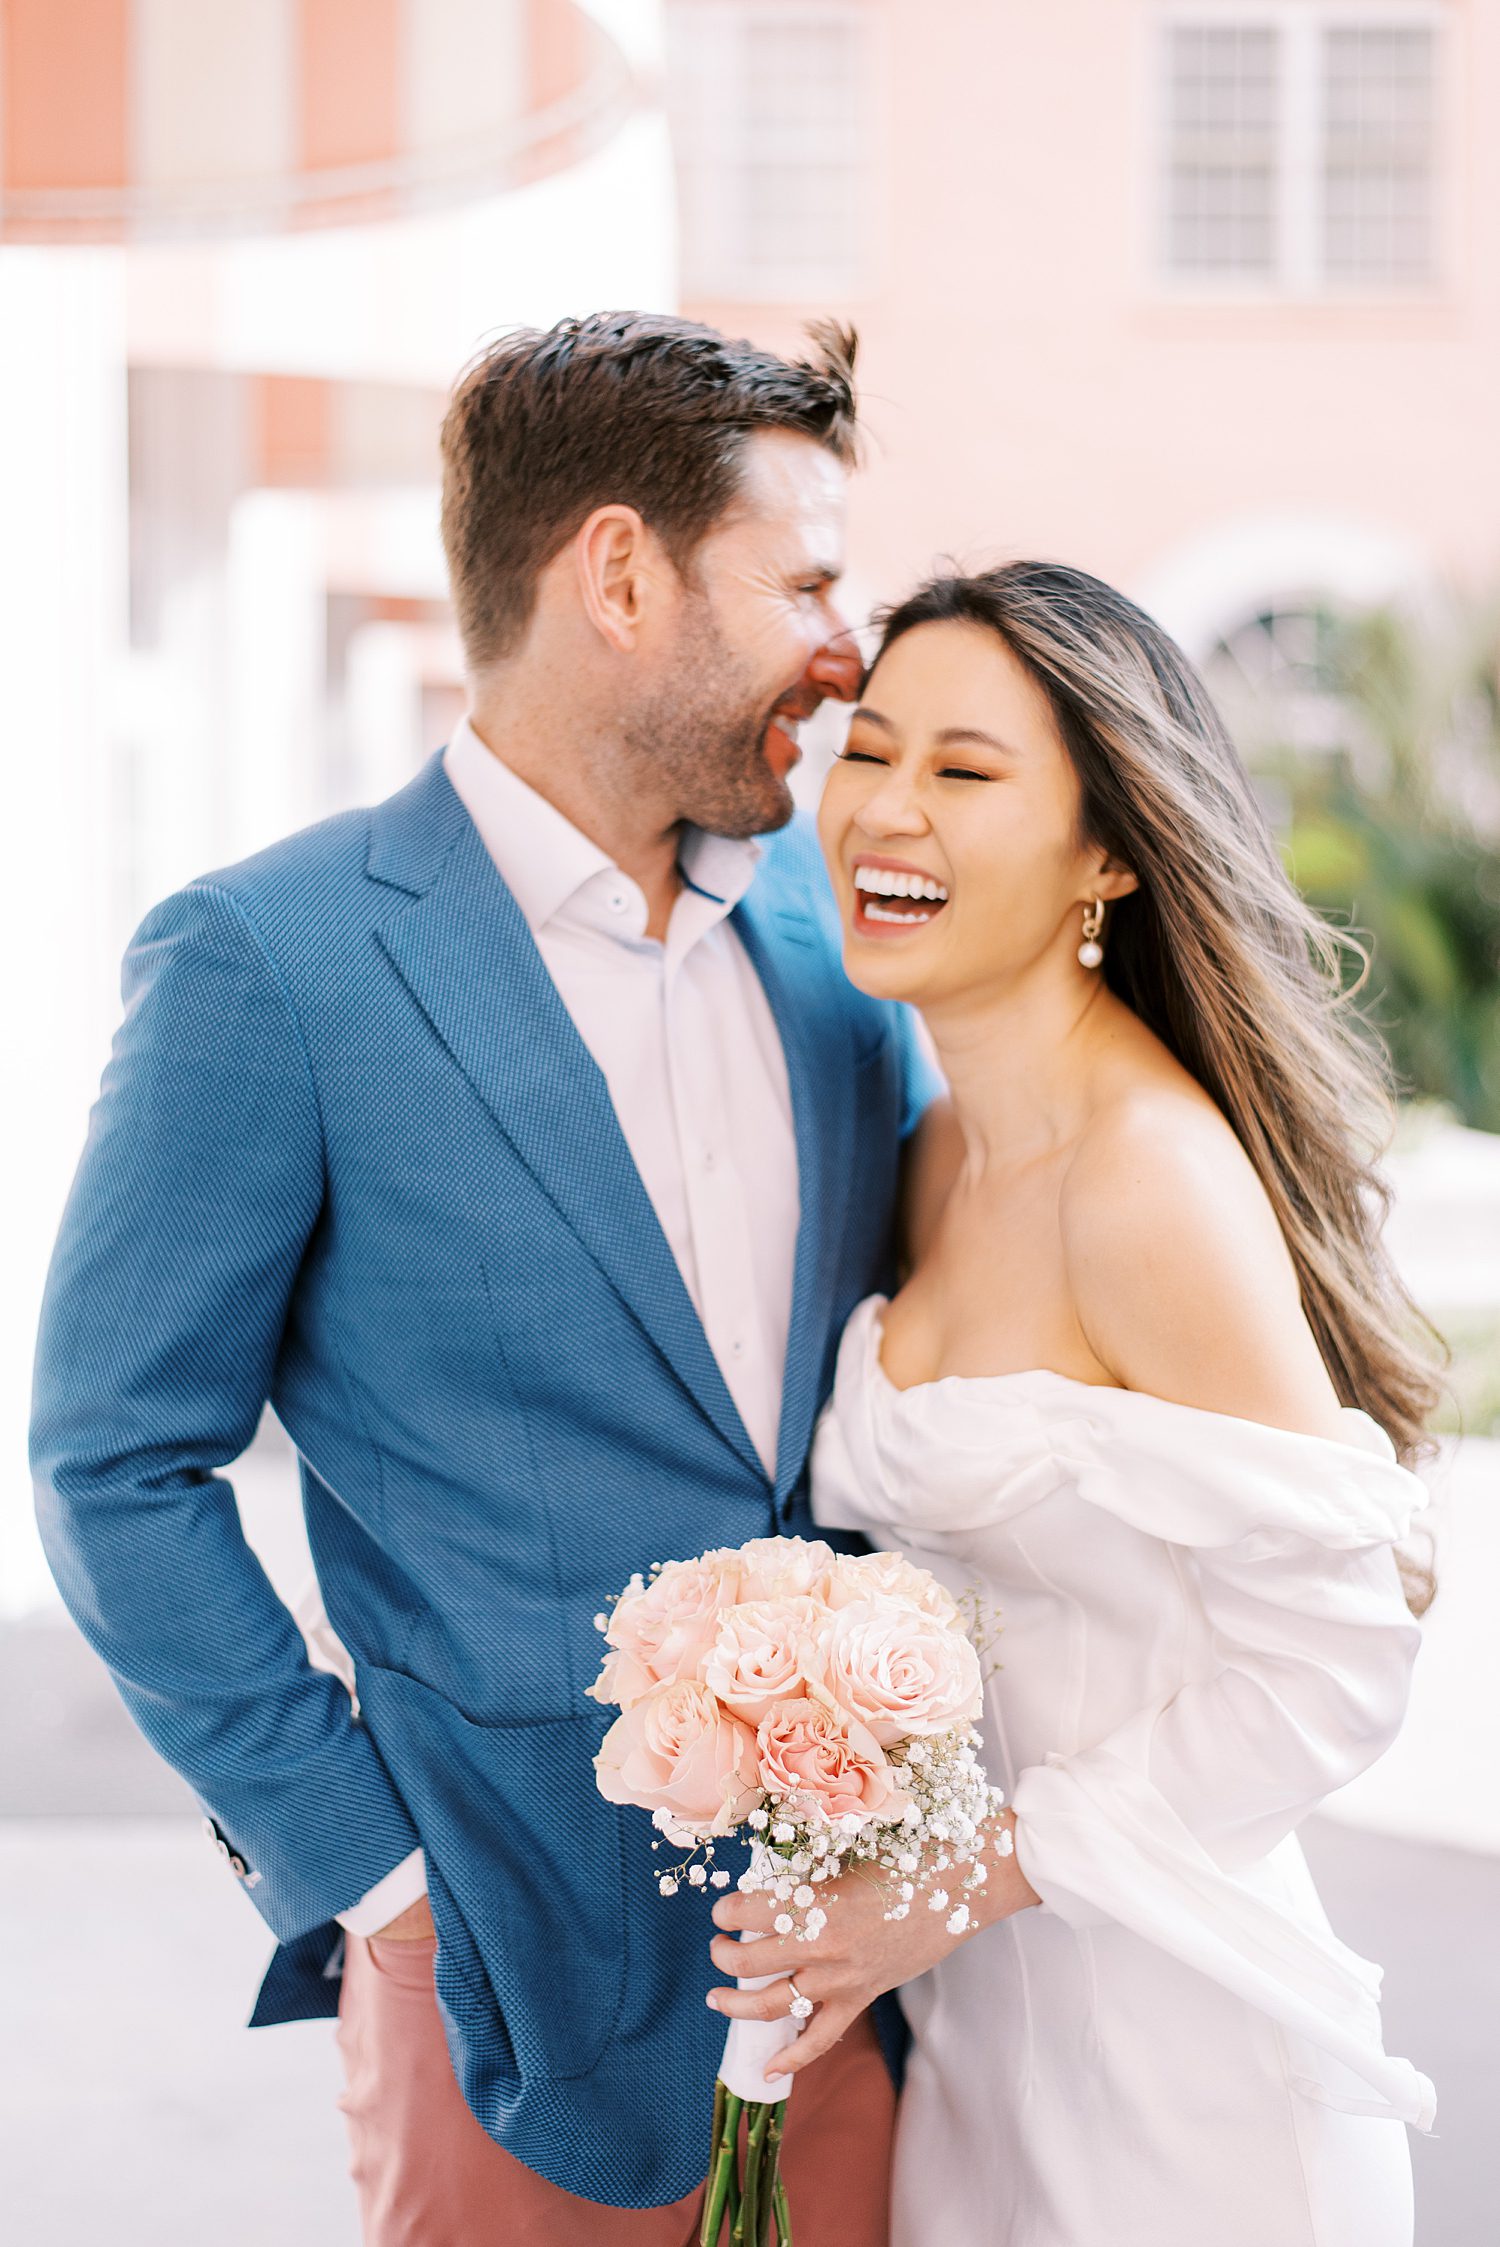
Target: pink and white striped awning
[(151, 120)]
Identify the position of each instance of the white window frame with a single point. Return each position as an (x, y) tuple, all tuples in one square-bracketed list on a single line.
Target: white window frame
[(732, 275), (1298, 271)]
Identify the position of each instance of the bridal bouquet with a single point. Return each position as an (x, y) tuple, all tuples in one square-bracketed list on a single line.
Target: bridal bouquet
[(820, 1705)]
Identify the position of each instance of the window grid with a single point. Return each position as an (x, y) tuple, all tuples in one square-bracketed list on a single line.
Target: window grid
[(1299, 149), (1377, 152), (769, 120), (1223, 119)]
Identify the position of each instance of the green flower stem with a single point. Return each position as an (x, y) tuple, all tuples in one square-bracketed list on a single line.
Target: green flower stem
[(744, 2189), (748, 2230), (733, 2116), (773, 2191), (722, 2195)]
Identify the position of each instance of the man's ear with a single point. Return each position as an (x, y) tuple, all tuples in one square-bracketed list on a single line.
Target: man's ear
[(616, 561)]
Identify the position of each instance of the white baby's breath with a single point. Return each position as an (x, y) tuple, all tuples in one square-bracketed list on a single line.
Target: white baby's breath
[(931, 1810)]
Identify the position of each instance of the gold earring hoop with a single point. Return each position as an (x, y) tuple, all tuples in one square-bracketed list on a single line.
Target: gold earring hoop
[(1091, 951)]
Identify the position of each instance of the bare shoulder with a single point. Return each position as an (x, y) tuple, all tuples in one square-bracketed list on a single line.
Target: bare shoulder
[(1180, 1275)]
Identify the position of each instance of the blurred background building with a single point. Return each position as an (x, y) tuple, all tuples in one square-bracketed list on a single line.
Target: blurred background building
[(1203, 297)]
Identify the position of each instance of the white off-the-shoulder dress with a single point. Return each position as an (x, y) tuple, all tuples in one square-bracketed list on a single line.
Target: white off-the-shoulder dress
[(1201, 1633)]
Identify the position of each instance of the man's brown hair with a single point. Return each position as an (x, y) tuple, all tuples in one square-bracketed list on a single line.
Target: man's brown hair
[(630, 408)]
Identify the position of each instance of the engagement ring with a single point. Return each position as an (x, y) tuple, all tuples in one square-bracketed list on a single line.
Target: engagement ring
[(801, 2008)]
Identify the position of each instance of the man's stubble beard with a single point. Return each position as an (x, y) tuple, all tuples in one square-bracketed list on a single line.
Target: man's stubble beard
[(699, 740)]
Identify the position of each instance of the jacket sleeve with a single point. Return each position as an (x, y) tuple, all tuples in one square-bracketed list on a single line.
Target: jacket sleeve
[(200, 1186)]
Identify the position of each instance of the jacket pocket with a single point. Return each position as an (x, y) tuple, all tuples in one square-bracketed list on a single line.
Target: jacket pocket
[(524, 1876)]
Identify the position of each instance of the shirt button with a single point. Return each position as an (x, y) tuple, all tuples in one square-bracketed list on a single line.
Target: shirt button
[(736, 1349), (709, 1158), (618, 901)]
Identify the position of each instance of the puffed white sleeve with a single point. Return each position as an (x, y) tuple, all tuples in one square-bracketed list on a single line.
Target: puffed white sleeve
[(1167, 1825)]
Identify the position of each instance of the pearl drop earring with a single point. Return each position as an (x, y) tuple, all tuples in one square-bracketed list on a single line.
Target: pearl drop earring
[(1091, 951)]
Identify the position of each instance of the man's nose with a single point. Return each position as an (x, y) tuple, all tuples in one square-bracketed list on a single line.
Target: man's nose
[(838, 667)]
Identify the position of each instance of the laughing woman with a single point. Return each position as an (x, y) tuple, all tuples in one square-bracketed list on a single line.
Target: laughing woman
[(1151, 1385)]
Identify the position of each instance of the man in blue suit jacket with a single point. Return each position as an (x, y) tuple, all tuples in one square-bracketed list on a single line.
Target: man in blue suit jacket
[(403, 1134)]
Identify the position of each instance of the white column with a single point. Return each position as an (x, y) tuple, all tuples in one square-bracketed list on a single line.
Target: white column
[(191, 458), (382, 709), (274, 692), (62, 638), (214, 91), (464, 70)]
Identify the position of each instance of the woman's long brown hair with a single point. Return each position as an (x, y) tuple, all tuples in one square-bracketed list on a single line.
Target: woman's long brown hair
[(1218, 954)]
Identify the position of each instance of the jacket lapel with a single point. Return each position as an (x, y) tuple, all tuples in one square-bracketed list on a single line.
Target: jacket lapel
[(785, 949), (465, 953)]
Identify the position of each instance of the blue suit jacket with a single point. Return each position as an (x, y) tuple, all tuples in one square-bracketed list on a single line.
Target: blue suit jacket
[(352, 1156)]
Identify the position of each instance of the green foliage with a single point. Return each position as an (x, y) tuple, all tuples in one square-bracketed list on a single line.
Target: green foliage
[(1470, 1403), (1391, 826), (1426, 900)]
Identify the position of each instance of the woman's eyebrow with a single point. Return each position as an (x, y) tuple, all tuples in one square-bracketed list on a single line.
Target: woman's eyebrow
[(952, 734), (949, 737)]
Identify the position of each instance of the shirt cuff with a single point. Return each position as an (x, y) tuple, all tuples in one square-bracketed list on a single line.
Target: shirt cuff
[(379, 1905)]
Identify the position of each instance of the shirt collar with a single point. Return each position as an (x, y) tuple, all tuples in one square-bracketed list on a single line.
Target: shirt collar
[(547, 863), (541, 857), (718, 867)]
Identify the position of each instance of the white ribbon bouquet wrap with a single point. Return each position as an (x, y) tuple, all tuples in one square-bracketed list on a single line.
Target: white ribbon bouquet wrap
[(822, 1706), (748, 2067)]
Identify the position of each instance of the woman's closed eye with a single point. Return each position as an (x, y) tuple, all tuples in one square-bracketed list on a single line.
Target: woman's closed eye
[(848, 756)]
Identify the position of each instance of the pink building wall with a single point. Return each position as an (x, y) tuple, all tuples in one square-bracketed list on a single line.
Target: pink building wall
[(1033, 384)]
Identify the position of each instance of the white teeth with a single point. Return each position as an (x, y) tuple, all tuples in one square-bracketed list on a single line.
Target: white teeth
[(884, 881), (898, 920)]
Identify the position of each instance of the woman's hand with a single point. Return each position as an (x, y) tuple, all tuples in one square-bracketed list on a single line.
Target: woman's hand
[(858, 1954)]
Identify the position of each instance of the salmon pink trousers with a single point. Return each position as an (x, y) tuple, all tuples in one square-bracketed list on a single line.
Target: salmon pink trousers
[(428, 2175)]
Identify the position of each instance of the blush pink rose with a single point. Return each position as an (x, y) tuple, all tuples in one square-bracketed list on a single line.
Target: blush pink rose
[(660, 1634), (826, 1765), (857, 1576), (678, 1750), (785, 1567), (622, 1681), (766, 1651), (900, 1672)]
